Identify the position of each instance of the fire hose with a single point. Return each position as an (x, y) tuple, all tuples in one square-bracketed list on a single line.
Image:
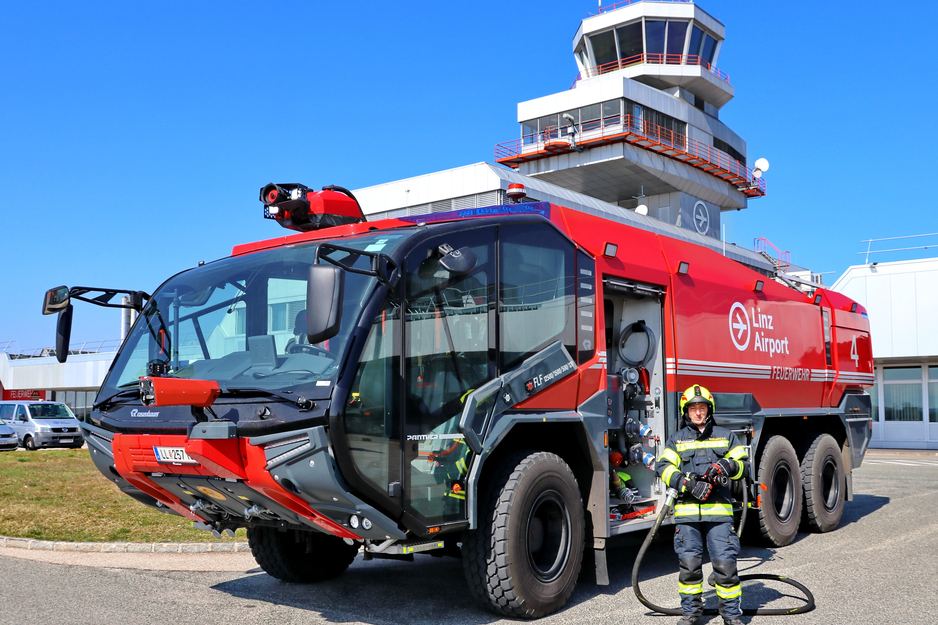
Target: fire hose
[(668, 505)]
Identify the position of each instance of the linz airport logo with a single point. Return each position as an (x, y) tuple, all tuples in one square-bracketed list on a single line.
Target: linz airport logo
[(755, 326)]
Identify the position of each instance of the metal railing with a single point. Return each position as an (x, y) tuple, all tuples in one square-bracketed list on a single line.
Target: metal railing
[(634, 130), (781, 260), (652, 59), (870, 242), (86, 347), (623, 3)]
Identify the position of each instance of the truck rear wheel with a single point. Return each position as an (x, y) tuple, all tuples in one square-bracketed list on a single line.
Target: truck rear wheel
[(315, 557), (822, 474), (525, 556), (781, 492)]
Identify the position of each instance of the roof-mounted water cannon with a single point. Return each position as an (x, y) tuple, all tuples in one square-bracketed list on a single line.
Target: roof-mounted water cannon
[(298, 207)]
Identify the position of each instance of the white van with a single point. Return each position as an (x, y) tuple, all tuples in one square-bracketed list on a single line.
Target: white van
[(42, 424)]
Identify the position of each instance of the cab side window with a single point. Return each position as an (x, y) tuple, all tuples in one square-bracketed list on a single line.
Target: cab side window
[(21, 413), (6, 412), (536, 292)]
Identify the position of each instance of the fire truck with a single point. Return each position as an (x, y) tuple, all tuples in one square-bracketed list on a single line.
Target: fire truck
[(493, 384)]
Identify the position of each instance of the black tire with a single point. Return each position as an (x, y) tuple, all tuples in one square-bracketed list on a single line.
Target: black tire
[(822, 476), (525, 556), (29, 443), (300, 557), (779, 480)]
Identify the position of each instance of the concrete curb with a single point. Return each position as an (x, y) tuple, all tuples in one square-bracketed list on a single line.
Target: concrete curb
[(50, 545)]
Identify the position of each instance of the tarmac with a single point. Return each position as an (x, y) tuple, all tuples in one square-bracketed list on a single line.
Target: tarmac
[(208, 556)]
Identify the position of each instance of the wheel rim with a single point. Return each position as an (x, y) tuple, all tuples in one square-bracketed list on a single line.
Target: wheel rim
[(830, 485), (547, 533), (783, 492)]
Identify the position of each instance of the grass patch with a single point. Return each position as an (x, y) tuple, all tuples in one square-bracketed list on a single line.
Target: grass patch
[(60, 495)]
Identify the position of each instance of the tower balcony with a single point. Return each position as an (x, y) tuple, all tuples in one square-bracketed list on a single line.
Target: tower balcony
[(662, 71), (637, 132)]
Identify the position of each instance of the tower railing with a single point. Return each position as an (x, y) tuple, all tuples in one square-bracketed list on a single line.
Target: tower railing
[(623, 3), (651, 59), (635, 130)]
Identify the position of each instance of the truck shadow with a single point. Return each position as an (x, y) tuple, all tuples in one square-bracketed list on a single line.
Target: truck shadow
[(432, 591)]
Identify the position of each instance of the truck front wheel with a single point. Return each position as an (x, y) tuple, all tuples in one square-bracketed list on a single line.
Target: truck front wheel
[(781, 492), (524, 558), (300, 557), (822, 473)]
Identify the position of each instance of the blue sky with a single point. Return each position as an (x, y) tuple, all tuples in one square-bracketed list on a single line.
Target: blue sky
[(135, 136)]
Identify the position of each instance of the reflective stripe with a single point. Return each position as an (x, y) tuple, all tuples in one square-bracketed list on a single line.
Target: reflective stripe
[(737, 453), (686, 509), (729, 592), (669, 455), (690, 589), (739, 473), (713, 443), (456, 495), (669, 471), (716, 508)]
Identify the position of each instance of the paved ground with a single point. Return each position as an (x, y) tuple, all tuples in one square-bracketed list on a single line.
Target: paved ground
[(877, 567)]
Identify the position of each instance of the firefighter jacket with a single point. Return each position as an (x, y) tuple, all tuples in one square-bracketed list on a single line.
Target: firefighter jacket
[(690, 450)]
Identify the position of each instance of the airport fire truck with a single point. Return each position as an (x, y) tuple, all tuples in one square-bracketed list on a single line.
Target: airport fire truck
[(493, 384)]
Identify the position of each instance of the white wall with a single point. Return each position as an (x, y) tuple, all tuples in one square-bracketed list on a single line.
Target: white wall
[(81, 371), (902, 301)]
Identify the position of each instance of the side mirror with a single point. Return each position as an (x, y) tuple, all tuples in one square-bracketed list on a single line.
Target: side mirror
[(56, 300), (324, 288), (63, 332)]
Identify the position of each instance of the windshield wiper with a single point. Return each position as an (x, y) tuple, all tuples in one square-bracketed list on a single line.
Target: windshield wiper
[(247, 391), (127, 392)]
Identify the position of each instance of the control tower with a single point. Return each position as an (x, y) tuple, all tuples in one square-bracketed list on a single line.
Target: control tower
[(640, 127)]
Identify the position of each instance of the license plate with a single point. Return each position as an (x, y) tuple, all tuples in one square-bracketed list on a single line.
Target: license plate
[(65, 440), (173, 455)]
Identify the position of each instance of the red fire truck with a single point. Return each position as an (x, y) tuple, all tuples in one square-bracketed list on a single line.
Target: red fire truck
[(492, 384)]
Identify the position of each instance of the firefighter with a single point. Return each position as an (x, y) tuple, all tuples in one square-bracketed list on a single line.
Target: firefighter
[(692, 459)]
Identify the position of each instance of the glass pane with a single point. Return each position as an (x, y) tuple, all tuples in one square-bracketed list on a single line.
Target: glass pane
[(677, 32), (903, 402), (902, 373), (654, 39), (604, 48), (709, 47), (548, 126), (536, 293), (611, 110), (874, 400), (933, 401), (446, 348), (696, 35), (586, 307), (372, 417), (933, 373), (630, 42)]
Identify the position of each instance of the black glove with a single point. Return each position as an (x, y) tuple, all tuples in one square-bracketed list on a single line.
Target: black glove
[(698, 488), (725, 468)]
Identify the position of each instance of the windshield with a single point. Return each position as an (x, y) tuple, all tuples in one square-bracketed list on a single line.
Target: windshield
[(241, 321), (50, 411)]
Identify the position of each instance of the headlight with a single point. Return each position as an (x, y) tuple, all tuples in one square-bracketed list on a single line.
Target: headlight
[(43, 428)]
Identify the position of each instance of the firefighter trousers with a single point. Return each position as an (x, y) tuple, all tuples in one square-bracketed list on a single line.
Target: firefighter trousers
[(723, 547)]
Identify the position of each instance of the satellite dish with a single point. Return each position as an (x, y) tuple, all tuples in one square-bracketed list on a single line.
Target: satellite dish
[(761, 166), (641, 209)]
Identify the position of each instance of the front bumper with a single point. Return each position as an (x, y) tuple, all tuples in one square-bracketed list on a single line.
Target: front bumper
[(284, 479), (7, 444), (56, 439)]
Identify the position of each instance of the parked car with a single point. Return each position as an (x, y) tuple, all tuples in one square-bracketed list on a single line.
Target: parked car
[(8, 440), (42, 424)]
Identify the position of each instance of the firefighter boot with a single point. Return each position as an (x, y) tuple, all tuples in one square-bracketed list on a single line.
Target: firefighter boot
[(689, 619), (732, 621)]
